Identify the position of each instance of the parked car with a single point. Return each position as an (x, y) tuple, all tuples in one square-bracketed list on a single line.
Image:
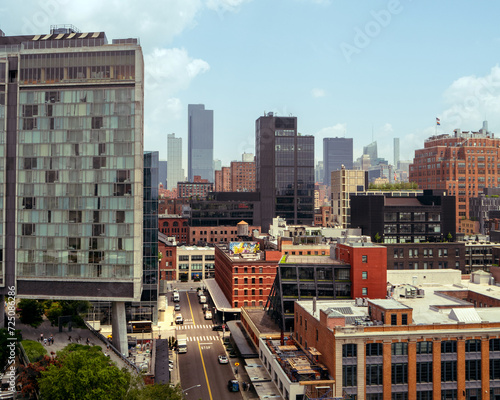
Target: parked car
[(223, 359), (233, 385), (177, 307), (208, 314), (219, 327)]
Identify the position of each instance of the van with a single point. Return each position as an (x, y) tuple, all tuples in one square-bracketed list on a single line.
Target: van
[(177, 298), (179, 319)]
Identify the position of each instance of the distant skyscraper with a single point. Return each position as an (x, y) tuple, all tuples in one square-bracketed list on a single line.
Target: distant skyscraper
[(371, 150), (217, 165), (396, 152), (200, 142), (162, 173), (318, 172), (174, 157), (247, 157), (336, 152), (284, 171)]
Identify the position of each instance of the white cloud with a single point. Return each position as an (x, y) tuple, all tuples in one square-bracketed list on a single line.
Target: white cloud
[(470, 100), (171, 70), (316, 92), (225, 5)]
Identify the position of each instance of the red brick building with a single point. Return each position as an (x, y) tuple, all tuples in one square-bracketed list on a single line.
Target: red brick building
[(368, 268), (463, 164), (239, 177), (174, 226), (199, 188), (245, 273), (167, 264), (216, 234)]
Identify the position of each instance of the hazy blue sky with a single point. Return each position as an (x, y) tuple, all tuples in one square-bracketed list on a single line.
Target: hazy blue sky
[(359, 69)]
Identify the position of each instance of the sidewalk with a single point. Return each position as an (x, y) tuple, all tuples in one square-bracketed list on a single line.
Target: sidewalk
[(62, 339)]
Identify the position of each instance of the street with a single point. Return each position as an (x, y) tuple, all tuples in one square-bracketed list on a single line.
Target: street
[(200, 366)]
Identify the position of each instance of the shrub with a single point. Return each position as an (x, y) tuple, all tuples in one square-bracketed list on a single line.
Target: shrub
[(34, 350)]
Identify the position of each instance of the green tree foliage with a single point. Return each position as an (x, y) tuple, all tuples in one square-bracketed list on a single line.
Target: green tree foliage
[(28, 376), (34, 350), (83, 373), (75, 308), (394, 186), (30, 312)]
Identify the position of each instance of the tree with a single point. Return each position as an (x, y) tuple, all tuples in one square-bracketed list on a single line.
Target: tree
[(30, 312), (28, 376), (84, 373), (377, 237), (56, 309), (157, 391)]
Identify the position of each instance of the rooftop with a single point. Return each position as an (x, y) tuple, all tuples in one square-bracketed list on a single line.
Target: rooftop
[(432, 304)]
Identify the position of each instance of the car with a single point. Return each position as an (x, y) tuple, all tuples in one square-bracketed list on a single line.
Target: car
[(179, 319), (219, 327), (177, 307), (208, 315), (223, 359), (233, 385)]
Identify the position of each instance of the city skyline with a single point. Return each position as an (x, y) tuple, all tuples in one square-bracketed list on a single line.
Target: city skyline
[(355, 70)]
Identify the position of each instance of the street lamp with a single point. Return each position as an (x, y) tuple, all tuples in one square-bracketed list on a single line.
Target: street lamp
[(223, 324), (192, 387)]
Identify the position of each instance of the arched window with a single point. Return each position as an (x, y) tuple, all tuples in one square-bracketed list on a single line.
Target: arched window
[(175, 223), (165, 224)]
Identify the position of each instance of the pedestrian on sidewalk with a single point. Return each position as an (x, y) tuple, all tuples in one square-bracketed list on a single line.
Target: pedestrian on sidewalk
[(41, 337)]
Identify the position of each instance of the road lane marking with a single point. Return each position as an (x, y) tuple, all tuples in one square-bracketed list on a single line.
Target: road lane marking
[(191, 309), (205, 371)]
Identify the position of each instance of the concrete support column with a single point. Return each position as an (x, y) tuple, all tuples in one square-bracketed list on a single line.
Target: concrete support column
[(361, 369), (119, 327)]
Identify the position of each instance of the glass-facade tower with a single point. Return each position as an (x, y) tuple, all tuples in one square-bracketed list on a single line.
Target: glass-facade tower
[(337, 152), (284, 171), (175, 173), (72, 165), (200, 142)]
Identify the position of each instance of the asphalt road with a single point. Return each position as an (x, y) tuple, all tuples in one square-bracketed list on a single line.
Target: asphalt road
[(200, 365)]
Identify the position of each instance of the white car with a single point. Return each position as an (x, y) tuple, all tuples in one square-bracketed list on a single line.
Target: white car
[(208, 314), (223, 359)]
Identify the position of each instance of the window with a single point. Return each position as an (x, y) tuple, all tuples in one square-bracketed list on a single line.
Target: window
[(394, 319), (245, 281), (424, 395), (495, 368), (472, 370), (260, 270), (260, 281), (374, 349), (349, 375), (448, 394), (399, 396), (494, 344), (235, 281), (424, 347), (449, 346), (399, 373), (399, 349), (183, 258), (472, 345), (448, 371), (364, 291), (374, 374), (349, 350), (424, 372), (404, 319), (364, 259), (364, 275)]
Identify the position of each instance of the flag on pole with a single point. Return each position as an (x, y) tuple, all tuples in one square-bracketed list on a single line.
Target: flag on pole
[(438, 121)]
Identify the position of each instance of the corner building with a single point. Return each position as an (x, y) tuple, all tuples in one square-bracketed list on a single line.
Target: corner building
[(463, 164), (71, 175)]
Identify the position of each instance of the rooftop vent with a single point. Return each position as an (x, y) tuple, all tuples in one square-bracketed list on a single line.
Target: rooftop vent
[(64, 29)]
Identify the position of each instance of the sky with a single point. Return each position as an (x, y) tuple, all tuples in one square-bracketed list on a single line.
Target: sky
[(367, 70)]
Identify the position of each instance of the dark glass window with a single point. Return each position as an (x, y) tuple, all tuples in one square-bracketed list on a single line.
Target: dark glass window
[(374, 349), (349, 350)]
